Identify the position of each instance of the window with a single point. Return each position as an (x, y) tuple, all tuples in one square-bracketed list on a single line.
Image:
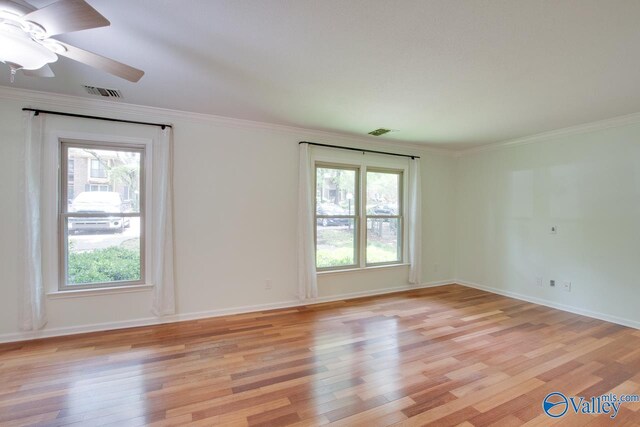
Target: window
[(337, 217), (101, 229), (98, 187), (98, 169), (350, 234), (384, 217)]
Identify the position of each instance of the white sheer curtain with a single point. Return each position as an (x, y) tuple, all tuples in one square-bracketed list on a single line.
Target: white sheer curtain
[(307, 280), (32, 307), (162, 275), (414, 220)]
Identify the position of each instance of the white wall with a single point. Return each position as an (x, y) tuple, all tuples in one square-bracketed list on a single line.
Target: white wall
[(486, 216), (588, 185), (235, 220)]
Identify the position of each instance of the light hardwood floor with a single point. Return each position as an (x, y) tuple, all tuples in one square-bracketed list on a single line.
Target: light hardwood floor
[(449, 355)]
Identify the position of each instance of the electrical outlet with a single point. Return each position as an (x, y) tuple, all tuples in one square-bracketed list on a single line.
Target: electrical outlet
[(553, 229), (267, 284), (552, 283), (566, 286), (539, 281)]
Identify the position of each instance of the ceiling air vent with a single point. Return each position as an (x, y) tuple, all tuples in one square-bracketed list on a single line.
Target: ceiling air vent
[(100, 91), (379, 132)]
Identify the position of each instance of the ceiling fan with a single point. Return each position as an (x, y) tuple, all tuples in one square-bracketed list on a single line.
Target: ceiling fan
[(26, 43)]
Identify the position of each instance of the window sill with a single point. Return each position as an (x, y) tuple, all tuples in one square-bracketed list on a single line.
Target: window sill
[(76, 293), (353, 270)]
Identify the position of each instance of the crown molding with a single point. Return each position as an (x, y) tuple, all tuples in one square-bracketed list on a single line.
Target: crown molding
[(75, 104), (625, 120)]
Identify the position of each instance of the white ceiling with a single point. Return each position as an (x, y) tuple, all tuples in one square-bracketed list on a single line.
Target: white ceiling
[(451, 73)]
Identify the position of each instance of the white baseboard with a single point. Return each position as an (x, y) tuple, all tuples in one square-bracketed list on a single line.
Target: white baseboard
[(353, 295), (96, 327), (147, 321), (541, 301)]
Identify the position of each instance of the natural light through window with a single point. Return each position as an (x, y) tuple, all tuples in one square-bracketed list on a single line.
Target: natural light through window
[(384, 217), (101, 216), (336, 217), (342, 240)]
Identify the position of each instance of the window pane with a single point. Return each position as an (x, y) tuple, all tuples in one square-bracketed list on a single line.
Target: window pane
[(70, 179), (335, 191), (103, 250), (383, 193), (382, 240), (99, 168), (335, 245), (103, 180)]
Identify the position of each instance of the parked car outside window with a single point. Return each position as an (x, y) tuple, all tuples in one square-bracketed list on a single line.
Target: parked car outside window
[(381, 209), (331, 209), (99, 202)]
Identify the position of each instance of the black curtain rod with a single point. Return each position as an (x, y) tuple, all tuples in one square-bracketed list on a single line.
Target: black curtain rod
[(362, 150), (108, 119)]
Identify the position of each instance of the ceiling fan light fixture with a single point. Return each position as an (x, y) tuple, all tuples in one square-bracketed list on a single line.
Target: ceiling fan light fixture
[(54, 46), (25, 41), (36, 31), (9, 14), (16, 47)]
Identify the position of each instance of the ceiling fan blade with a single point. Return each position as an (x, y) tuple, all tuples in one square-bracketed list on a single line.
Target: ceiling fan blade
[(17, 7), (45, 71), (100, 62), (65, 16)]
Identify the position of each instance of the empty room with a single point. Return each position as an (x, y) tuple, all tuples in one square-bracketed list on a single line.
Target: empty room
[(320, 212)]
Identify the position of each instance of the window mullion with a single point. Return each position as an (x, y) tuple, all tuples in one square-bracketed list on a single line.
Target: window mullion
[(101, 214)]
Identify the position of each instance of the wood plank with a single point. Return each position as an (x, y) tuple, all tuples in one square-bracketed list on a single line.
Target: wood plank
[(446, 356)]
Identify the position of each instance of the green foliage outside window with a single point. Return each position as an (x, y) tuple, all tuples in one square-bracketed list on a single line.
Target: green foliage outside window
[(114, 264)]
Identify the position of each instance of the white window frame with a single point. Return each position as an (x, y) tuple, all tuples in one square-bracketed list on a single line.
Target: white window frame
[(357, 217), (327, 157), (64, 214), (51, 200), (399, 216)]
